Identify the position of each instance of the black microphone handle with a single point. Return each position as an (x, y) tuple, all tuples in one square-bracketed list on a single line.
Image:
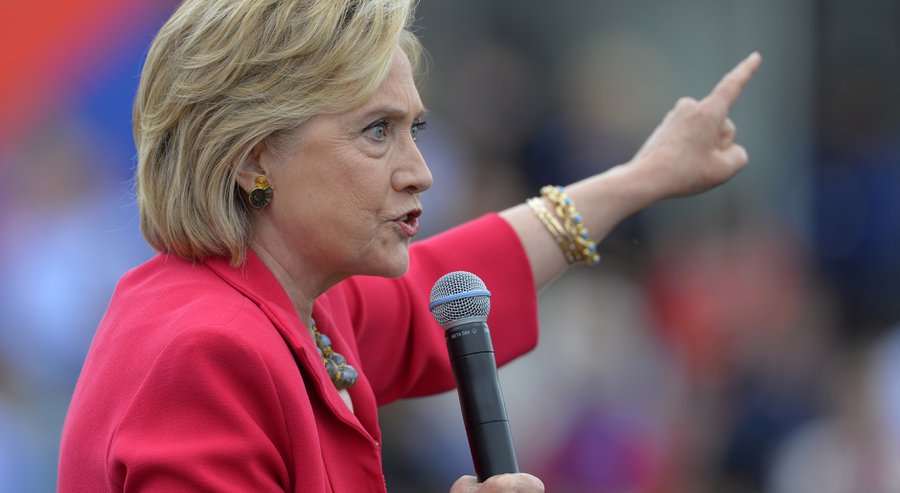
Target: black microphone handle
[(480, 399)]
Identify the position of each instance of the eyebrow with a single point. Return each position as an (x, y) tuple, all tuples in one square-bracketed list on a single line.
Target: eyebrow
[(394, 112)]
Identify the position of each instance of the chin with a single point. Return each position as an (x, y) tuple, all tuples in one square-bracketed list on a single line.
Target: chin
[(391, 267), (396, 269)]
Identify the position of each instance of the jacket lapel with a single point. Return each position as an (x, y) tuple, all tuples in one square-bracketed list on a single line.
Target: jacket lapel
[(257, 283)]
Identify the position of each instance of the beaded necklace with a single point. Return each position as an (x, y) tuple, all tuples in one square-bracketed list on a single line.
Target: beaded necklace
[(343, 376)]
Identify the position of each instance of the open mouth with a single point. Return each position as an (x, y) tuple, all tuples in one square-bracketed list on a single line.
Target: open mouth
[(409, 222)]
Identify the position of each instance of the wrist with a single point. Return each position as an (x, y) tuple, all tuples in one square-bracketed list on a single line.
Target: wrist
[(627, 188)]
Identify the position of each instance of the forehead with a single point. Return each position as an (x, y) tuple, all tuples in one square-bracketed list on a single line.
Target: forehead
[(397, 90)]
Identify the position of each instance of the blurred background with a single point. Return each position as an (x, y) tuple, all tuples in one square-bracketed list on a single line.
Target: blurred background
[(743, 341)]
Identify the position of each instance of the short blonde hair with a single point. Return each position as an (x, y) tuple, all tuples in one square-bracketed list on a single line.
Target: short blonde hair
[(221, 76)]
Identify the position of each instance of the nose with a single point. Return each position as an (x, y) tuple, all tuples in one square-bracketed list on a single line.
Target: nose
[(413, 174)]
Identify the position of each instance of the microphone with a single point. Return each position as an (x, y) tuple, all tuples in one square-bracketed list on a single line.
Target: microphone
[(460, 303)]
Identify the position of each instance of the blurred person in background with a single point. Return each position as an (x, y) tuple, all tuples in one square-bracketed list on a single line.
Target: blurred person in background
[(753, 333), (279, 179), (854, 443)]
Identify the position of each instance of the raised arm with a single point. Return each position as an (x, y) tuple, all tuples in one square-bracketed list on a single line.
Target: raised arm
[(691, 151)]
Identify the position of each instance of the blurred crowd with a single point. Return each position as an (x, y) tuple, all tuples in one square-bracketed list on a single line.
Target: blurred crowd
[(745, 341)]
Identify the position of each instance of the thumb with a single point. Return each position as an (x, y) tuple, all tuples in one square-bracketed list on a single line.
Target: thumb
[(465, 484), (735, 156)]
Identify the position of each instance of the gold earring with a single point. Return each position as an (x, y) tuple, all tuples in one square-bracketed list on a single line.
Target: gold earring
[(261, 194)]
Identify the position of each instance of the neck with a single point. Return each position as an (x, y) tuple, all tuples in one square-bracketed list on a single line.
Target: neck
[(301, 284)]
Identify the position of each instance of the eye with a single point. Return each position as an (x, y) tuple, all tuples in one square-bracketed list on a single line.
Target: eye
[(378, 130), (417, 126)]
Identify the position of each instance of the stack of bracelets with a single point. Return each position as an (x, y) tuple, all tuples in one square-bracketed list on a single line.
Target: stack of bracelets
[(565, 225)]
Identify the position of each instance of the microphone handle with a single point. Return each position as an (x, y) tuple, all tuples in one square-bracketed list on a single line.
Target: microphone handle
[(480, 399)]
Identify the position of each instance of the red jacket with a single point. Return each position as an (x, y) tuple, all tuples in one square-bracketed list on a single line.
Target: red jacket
[(202, 377)]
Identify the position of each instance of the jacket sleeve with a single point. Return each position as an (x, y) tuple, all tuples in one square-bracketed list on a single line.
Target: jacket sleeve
[(402, 348), (206, 418)]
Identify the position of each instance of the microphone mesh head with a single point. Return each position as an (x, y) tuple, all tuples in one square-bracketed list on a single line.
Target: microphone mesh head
[(470, 298)]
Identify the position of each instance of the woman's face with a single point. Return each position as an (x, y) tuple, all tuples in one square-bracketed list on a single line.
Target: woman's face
[(347, 185)]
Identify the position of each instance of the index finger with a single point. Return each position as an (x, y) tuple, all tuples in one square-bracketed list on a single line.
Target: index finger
[(726, 92)]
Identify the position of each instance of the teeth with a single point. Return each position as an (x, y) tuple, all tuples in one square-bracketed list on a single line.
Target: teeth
[(405, 218)]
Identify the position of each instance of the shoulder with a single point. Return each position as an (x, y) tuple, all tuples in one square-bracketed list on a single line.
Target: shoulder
[(207, 353), (169, 313), (170, 279), (167, 294)]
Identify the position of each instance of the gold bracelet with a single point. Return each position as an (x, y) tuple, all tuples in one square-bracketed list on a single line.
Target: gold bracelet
[(586, 250), (554, 227)]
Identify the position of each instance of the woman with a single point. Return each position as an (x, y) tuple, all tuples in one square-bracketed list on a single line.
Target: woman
[(279, 178)]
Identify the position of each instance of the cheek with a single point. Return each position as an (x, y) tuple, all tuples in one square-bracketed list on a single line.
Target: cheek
[(353, 184), (365, 190), (352, 212)]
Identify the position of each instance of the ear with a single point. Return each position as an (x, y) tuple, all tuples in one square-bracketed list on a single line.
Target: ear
[(256, 163)]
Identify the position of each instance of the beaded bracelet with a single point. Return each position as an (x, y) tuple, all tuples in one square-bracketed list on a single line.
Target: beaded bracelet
[(585, 249), (554, 227)]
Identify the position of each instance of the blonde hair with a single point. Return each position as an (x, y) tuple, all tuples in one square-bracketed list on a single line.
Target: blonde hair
[(221, 76)]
